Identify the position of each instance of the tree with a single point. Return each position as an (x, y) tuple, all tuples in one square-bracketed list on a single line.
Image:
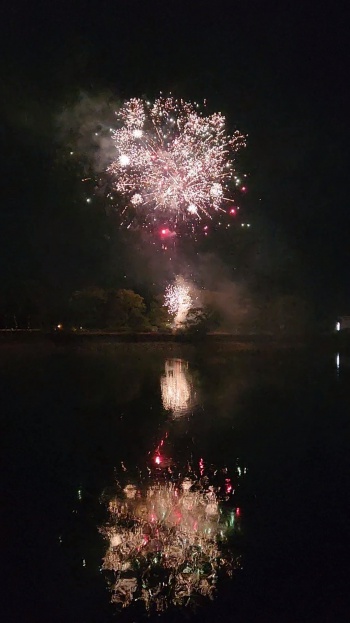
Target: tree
[(201, 320), (126, 310), (159, 315), (87, 307)]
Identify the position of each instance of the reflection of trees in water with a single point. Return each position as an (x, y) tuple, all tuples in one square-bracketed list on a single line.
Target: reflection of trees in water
[(168, 539), (118, 374), (178, 394)]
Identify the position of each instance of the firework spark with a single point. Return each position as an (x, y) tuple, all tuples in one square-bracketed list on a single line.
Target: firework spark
[(178, 300), (172, 164)]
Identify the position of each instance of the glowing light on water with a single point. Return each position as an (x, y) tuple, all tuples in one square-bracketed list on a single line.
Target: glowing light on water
[(164, 544), (176, 387)]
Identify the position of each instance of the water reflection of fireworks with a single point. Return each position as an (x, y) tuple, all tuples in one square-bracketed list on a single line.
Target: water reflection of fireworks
[(176, 387), (167, 541)]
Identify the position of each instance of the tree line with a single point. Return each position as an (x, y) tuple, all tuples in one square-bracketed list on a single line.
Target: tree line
[(96, 308), (91, 308)]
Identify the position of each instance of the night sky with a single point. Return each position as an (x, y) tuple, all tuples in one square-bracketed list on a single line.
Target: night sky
[(278, 70)]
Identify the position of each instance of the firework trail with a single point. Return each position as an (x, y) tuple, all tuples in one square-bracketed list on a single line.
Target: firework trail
[(172, 164)]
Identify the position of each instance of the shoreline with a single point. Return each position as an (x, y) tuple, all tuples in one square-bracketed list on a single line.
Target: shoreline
[(331, 342)]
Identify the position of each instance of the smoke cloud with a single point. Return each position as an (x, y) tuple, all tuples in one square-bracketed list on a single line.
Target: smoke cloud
[(229, 298), (85, 128)]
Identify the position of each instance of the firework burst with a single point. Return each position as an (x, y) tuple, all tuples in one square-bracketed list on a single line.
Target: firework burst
[(178, 300), (172, 164)]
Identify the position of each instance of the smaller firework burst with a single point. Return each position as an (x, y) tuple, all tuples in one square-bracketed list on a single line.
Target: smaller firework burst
[(178, 300)]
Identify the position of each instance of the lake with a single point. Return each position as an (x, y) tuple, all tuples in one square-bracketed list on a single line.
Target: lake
[(171, 482)]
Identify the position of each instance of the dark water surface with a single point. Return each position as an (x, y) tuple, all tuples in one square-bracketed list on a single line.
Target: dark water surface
[(72, 420)]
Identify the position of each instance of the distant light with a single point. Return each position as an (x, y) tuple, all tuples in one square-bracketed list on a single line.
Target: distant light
[(233, 211), (337, 361), (59, 326), (337, 326), (238, 511), (248, 224), (243, 189), (158, 460), (71, 153), (88, 200), (137, 133)]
